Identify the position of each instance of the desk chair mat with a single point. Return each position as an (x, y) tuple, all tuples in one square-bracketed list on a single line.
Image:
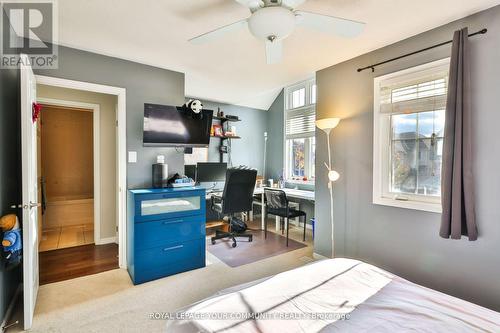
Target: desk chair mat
[(249, 252)]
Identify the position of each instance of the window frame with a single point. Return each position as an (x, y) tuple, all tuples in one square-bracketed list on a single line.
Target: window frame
[(288, 95), (382, 145)]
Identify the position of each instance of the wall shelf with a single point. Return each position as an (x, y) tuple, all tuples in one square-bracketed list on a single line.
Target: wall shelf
[(226, 137), (224, 119)]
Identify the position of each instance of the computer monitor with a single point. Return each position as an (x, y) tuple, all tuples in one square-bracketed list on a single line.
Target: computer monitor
[(190, 171), (211, 172)]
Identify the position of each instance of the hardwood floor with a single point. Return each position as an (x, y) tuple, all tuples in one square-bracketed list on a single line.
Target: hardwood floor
[(68, 236), (73, 262)]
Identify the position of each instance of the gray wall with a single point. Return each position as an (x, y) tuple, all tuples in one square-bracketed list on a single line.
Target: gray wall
[(275, 134), (144, 84), (249, 150), (405, 241), (9, 172)]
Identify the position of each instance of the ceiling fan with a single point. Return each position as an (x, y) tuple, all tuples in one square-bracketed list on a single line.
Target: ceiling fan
[(274, 20)]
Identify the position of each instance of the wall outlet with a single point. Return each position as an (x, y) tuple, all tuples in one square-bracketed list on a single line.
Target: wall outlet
[(132, 157)]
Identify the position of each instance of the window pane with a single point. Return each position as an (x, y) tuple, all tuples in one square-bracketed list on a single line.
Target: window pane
[(404, 177), (404, 126), (429, 166), (298, 98), (313, 94), (430, 123), (425, 124), (298, 158), (439, 123)]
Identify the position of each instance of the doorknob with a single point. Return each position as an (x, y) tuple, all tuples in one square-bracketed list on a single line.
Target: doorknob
[(30, 206), (33, 205)]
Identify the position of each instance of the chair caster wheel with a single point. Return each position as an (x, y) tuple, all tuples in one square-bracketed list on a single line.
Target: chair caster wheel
[(234, 245), (213, 241), (250, 239)]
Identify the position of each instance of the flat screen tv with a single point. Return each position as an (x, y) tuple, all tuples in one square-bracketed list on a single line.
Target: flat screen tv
[(172, 126)]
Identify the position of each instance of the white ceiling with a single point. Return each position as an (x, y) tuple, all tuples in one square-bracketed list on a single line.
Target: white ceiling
[(233, 69)]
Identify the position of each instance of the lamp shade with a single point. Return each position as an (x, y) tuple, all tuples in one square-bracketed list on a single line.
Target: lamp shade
[(327, 124)]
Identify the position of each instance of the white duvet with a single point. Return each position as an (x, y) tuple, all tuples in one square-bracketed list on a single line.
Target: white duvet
[(337, 295)]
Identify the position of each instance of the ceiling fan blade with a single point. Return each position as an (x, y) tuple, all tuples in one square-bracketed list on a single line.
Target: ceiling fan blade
[(274, 51), (253, 5), (329, 24), (214, 34), (292, 4)]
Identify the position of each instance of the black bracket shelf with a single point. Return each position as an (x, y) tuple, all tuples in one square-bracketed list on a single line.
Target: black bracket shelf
[(224, 120), (226, 137)]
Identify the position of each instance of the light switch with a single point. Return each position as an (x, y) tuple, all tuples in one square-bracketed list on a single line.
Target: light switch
[(132, 157)]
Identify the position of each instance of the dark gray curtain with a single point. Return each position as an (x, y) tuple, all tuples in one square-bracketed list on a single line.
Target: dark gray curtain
[(457, 195)]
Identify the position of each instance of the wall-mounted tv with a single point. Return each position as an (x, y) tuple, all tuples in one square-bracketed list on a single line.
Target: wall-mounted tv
[(172, 126)]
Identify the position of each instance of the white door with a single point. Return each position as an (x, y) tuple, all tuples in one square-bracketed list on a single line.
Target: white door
[(30, 192)]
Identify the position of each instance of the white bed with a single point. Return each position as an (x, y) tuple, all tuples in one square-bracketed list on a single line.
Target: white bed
[(351, 296)]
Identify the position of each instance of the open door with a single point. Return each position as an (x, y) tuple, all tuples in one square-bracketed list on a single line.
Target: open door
[(29, 190)]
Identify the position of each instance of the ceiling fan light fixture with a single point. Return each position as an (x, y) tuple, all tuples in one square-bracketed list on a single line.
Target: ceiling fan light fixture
[(278, 22)]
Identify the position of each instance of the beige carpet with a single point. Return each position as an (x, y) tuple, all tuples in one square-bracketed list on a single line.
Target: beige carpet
[(108, 302)]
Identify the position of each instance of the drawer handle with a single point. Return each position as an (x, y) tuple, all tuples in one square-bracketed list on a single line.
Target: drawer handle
[(173, 248), (172, 222)]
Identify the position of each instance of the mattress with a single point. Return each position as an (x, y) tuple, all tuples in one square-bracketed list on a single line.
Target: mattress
[(336, 295)]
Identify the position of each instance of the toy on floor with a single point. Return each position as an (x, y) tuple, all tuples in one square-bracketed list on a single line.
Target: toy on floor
[(12, 242)]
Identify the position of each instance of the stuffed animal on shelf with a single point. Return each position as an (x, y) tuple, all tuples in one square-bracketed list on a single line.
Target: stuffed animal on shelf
[(11, 242), (194, 107)]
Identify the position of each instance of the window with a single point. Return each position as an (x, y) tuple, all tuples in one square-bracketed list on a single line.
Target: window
[(298, 98), (409, 117), (300, 145)]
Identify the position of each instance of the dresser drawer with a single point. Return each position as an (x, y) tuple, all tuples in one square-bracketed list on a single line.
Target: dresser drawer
[(169, 255), (151, 207), (156, 233), (159, 272)]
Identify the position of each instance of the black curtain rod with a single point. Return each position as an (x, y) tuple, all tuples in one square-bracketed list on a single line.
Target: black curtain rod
[(480, 32)]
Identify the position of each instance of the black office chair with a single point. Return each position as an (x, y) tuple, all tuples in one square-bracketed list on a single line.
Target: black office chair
[(236, 198), (277, 204)]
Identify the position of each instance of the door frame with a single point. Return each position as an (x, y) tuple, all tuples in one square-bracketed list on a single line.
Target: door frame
[(96, 157), (121, 121)]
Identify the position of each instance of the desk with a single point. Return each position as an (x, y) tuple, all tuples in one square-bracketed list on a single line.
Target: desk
[(290, 193)]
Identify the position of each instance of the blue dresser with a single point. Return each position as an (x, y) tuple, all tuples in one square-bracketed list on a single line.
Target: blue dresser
[(165, 232)]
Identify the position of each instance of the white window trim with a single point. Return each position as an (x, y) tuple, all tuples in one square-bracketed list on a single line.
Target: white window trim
[(307, 84), (381, 138), (301, 182)]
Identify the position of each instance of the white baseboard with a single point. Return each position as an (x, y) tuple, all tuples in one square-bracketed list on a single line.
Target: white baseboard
[(107, 240), (10, 309)]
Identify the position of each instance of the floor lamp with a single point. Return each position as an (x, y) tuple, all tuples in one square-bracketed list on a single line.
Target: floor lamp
[(326, 125)]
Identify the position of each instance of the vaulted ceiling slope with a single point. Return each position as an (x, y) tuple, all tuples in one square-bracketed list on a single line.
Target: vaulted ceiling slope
[(233, 69)]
